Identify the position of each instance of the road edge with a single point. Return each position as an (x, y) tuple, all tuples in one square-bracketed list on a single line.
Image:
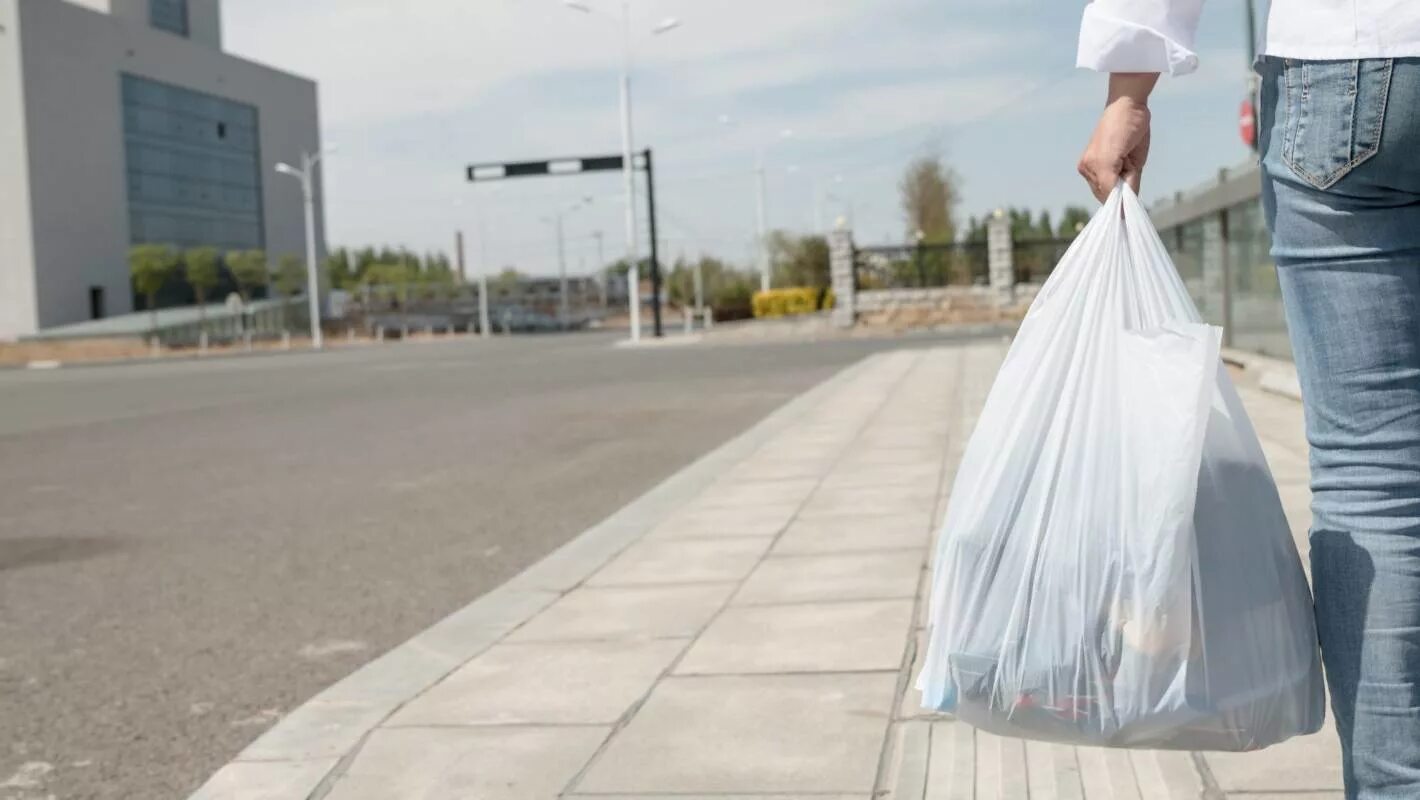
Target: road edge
[(310, 747)]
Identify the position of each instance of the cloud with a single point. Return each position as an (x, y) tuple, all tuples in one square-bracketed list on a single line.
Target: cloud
[(414, 90)]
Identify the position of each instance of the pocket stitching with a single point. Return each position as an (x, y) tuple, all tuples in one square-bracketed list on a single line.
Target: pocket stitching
[(1326, 182)]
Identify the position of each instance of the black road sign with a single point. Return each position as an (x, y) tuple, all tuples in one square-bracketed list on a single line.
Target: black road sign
[(482, 173)]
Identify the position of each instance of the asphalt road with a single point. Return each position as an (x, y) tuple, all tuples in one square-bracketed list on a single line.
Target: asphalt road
[(188, 550)]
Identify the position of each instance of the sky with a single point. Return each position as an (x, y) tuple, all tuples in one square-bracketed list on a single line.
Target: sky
[(412, 91)]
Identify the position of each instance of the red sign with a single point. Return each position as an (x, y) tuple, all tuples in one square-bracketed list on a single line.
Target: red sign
[(1247, 124)]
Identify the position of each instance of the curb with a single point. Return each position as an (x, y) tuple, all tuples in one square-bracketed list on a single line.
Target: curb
[(308, 750)]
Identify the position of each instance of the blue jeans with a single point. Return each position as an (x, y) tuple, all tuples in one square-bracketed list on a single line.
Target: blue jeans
[(1341, 191)]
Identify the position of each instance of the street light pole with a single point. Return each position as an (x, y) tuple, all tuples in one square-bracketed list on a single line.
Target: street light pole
[(306, 175), (761, 204), (763, 225), (601, 265), (628, 148), (563, 311), (484, 328)]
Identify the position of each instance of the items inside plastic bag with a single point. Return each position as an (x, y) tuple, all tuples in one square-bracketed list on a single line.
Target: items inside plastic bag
[(1115, 567)]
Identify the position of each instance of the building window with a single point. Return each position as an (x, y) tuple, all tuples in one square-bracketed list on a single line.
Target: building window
[(186, 187), (169, 15)]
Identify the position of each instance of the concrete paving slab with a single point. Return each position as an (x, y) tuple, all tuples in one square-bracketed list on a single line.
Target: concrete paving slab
[(682, 561), (319, 729), (785, 468), (765, 734), (911, 747), (627, 613), (1000, 767), (485, 763), (890, 457), (1167, 775), (951, 770), (855, 533), (867, 501), (745, 494), (564, 683), (712, 523), (815, 637), (1306, 764), (266, 780), (919, 476), (717, 797), (1053, 772), (857, 576)]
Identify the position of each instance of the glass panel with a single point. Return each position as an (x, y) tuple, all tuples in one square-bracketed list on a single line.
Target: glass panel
[(169, 15), (193, 167)]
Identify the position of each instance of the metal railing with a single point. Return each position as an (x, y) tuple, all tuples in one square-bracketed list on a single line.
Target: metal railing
[(1035, 259)]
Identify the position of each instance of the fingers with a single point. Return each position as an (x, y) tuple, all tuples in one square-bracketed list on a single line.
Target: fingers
[(1100, 175)]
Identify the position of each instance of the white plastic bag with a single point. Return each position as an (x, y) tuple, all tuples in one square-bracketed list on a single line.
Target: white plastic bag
[(1115, 568)]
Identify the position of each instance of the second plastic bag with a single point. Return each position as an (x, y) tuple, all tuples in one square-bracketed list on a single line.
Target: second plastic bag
[(1115, 567)]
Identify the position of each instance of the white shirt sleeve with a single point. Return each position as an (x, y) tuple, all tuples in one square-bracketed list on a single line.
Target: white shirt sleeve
[(1140, 36)]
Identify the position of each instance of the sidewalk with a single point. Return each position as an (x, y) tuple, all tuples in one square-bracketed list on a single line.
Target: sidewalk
[(746, 630)]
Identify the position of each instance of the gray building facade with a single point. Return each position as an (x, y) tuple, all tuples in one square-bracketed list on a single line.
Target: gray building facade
[(123, 122)]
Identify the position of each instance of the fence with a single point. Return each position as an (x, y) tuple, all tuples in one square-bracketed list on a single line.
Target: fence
[(1219, 242), (183, 326), (1034, 259), (921, 266)]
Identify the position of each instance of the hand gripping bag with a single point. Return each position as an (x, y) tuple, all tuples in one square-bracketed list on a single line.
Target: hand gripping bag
[(1115, 568)]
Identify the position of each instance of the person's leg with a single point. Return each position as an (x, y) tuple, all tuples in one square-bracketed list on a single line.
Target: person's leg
[(1341, 191)]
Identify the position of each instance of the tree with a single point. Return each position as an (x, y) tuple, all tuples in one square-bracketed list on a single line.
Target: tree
[(799, 260), (248, 268), (150, 265), (929, 200), (339, 269), (1072, 221), (364, 260), (975, 230), (202, 267), (505, 281), (1044, 229), (290, 276)]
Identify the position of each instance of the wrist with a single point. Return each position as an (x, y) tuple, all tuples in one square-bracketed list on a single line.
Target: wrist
[(1132, 88)]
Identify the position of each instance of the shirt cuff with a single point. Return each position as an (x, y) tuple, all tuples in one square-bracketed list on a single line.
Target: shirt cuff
[(1110, 44)]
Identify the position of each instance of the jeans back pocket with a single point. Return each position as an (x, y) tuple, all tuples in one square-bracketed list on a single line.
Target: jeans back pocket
[(1335, 114)]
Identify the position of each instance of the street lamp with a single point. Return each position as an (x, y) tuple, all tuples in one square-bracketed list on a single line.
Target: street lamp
[(563, 307), (628, 145), (306, 175), (761, 202), (485, 327)]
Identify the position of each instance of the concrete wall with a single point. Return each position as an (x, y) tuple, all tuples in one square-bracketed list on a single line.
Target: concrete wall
[(72, 62), (17, 290)]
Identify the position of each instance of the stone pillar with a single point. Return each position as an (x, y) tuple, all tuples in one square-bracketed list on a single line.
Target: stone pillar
[(843, 277), (1000, 256)]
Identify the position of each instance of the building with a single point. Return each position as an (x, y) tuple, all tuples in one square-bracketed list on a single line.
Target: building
[(123, 122)]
